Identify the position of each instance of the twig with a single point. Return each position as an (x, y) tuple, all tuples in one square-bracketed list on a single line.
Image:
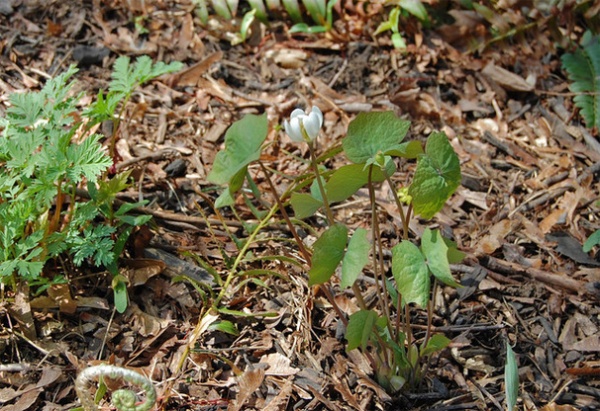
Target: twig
[(548, 278)]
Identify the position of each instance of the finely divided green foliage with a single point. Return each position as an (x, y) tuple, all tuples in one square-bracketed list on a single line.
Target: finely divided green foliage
[(583, 67), (436, 178), (47, 153)]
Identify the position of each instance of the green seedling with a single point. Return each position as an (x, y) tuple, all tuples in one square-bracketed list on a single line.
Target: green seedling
[(412, 7), (511, 379)]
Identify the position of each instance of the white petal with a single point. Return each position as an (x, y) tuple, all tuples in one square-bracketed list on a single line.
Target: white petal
[(293, 130), (317, 111), (297, 112), (313, 122), (311, 125)]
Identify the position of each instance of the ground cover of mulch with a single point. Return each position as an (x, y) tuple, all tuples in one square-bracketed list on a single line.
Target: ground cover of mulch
[(526, 204)]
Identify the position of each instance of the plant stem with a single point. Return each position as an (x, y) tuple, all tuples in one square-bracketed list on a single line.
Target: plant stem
[(286, 217), (313, 160), (377, 247), (242, 253), (403, 217)]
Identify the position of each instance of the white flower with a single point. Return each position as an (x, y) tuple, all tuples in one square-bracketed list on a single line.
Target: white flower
[(302, 126)]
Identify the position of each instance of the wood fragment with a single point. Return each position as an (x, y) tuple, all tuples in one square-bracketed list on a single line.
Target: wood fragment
[(561, 281)]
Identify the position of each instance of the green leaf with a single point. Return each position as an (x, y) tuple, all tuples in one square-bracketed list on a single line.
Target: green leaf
[(374, 133), (304, 205), (360, 328), (305, 28), (348, 179), (437, 176), (436, 343), (592, 241), (411, 273), (328, 252), (243, 142), (583, 68), (293, 9), (120, 293), (511, 378), (455, 256), (224, 326), (410, 149), (416, 8), (317, 10), (356, 257), (436, 252)]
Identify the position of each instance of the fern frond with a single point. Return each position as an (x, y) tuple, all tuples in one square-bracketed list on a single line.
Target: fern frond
[(583, 68)]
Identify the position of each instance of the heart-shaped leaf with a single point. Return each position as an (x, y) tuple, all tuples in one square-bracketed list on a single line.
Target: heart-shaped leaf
[(411, 273), (356, 258), (370, 134), (436, 178), (243, 142), (328, 252)]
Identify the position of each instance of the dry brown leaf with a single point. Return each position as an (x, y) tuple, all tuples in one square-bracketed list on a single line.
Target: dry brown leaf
[(247, 383), (288, 58), (61, 294), (507, 79), (283, 396), (279, 365), (555, 407), (25, 402), (146, 324), (493, 240), (192, 75), (141, 270), (20, 310)]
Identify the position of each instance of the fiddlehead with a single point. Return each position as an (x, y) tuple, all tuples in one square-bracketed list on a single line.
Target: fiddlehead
[(124, 399)]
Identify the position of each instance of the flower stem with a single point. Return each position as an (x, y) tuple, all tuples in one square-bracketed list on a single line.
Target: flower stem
[(403, 217), (286, 217), (313, 160)]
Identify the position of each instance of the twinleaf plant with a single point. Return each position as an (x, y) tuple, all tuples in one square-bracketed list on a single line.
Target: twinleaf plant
[(49, 156), (374, 148)]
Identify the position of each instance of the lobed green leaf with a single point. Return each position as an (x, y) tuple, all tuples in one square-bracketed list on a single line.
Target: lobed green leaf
[(370, 134), (436, 178)]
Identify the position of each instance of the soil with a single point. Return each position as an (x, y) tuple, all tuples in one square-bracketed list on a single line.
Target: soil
[(526, 204)]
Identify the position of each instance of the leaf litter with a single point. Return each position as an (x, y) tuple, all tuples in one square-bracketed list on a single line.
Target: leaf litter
[(526, 205)]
